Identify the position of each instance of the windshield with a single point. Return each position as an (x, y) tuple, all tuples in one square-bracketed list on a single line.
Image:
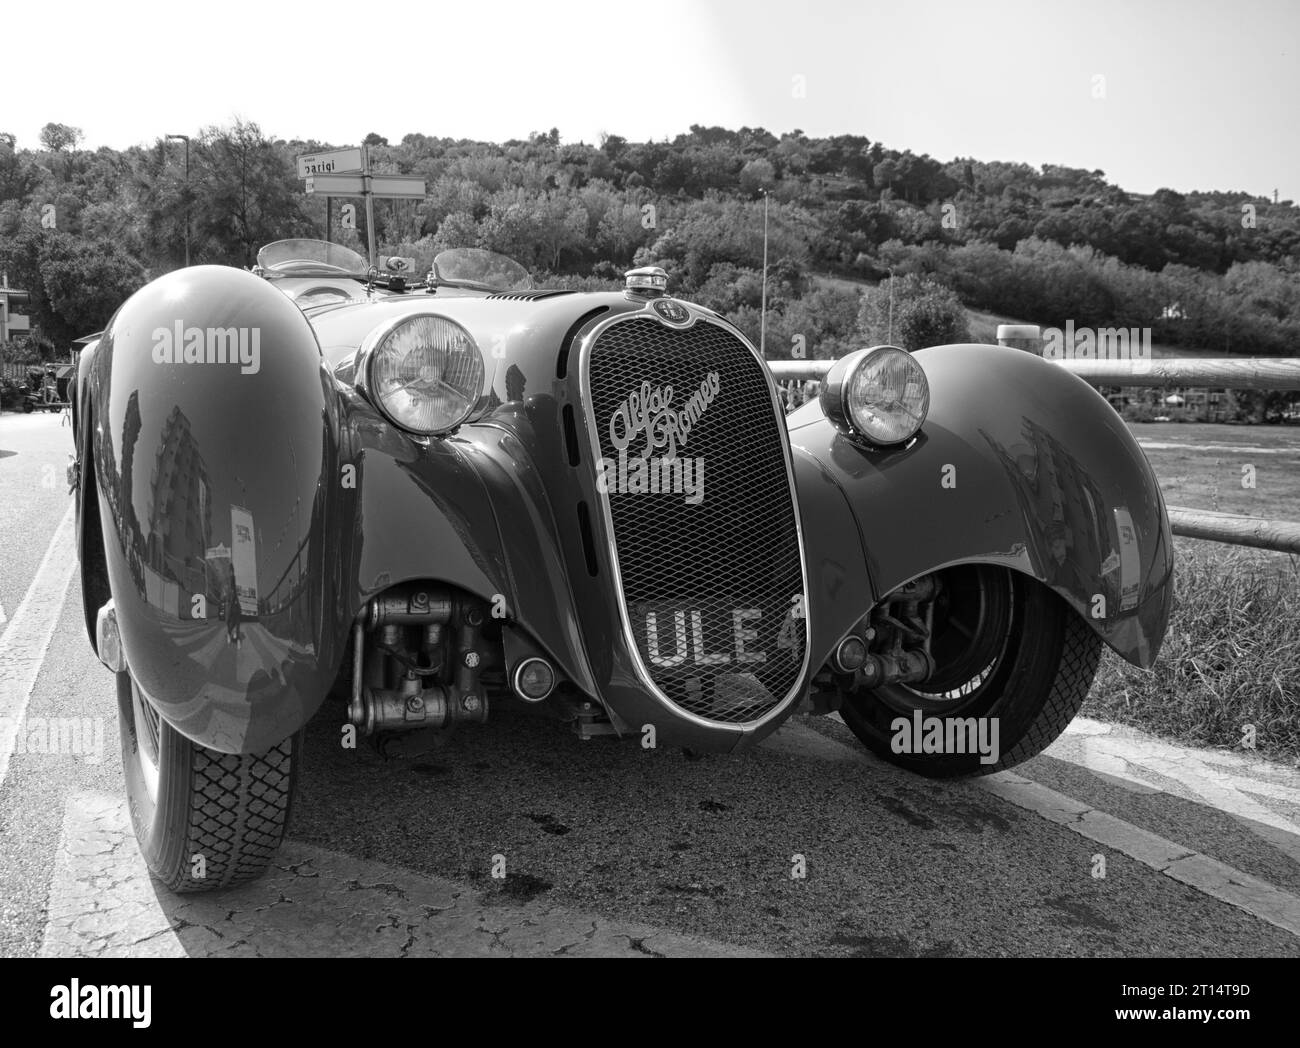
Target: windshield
[(472, 265), (310, 258)]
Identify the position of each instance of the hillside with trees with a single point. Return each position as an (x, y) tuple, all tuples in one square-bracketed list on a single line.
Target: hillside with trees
[(1215, 270)]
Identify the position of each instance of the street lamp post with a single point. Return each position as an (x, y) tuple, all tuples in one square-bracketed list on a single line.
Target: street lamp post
[(762, 311), (889, 339), (186, 140)]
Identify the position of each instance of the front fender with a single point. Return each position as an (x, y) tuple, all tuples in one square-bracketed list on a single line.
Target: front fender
[(1021, 464), (216, 433), (469, 512)]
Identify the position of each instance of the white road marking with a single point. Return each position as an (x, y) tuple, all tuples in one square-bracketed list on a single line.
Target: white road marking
[(1174, 860), (1230, 782), (1183, 864), (24, 642), (1251, 449), (312, 902)]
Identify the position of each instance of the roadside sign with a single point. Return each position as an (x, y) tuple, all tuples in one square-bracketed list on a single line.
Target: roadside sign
[(346, 172), (243, 558), (336, 185), (335, 162), (390, 186), (397, 186)]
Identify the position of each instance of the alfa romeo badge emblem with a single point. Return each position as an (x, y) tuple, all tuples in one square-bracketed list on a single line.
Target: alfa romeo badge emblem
[(673, 312)]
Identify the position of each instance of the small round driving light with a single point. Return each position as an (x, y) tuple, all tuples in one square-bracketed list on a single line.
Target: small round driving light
[(110, 639), (423, 371), (534, 679), (850, 654), (880, 395)]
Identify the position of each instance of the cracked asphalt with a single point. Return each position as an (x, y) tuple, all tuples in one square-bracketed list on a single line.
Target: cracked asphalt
[(516, 838)]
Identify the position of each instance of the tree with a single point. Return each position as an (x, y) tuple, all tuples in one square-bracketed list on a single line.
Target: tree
[(374, 139), (17, 179), (458, 229), (885, 174), (534, 229), (76, 283), (58, 137), (85, 281), (245, 194), (612, 146), (674, 173), (757, 175), (158, 198), (925, 313)]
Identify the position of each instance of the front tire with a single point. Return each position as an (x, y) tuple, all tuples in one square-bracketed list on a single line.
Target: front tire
[(1006, 647), (204, 820)]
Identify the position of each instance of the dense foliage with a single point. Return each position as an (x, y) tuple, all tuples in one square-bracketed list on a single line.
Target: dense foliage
[(1215, 269)]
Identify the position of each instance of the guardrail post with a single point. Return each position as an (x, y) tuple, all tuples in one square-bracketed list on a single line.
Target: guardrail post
[(1028, 337)]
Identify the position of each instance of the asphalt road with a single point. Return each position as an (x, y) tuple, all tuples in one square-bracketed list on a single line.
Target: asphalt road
[(1112, 844)]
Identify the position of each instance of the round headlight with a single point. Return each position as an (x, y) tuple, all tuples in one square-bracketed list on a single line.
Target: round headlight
[(424, 372), (880, 394)]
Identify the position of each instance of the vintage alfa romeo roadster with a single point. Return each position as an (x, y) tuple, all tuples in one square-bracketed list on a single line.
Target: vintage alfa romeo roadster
[(435, 496)]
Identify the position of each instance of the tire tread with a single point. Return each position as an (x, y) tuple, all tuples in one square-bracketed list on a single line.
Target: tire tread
[(239, 809), (1080, 656)]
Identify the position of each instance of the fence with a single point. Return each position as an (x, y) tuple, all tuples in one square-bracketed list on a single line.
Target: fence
[(1255, 373)]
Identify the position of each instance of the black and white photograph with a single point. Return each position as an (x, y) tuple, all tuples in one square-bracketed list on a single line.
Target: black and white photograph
[(721, 481)]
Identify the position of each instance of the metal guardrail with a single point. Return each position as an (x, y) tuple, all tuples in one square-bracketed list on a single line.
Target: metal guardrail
[(1259, 373), (1263, 373), (1282, 536), (800, 370)]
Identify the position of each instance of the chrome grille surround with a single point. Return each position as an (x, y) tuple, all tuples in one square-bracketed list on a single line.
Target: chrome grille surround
[(670, 351)]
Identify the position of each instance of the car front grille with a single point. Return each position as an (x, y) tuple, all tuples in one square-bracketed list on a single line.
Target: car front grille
[(711, 574)]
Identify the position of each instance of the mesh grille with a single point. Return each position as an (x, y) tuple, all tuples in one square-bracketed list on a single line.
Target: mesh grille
[(710, 587)]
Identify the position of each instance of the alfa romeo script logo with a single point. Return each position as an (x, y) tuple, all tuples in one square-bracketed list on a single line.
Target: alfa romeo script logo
[(649, 413)]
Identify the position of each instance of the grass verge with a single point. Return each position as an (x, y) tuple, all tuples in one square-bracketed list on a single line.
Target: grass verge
[(1230, 660)]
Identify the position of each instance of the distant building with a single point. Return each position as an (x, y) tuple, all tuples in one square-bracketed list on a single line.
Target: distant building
[(180, 517), (12, 323)]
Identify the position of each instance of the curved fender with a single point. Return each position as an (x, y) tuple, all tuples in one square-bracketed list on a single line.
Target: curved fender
[(839, 587), (1019, 463), (94, 581), (216, 430)]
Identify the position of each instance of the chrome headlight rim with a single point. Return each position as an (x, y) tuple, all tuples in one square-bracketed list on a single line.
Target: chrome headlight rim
[(368, 353), (836, 391)]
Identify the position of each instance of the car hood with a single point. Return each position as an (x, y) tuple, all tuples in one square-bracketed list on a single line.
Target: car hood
[(524, 336)]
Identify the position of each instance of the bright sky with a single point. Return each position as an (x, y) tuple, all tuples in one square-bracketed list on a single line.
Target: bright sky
[(1197, 94)]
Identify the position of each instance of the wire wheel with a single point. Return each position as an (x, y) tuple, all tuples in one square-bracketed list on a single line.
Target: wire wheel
[(973, 614), (1009, 654)]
